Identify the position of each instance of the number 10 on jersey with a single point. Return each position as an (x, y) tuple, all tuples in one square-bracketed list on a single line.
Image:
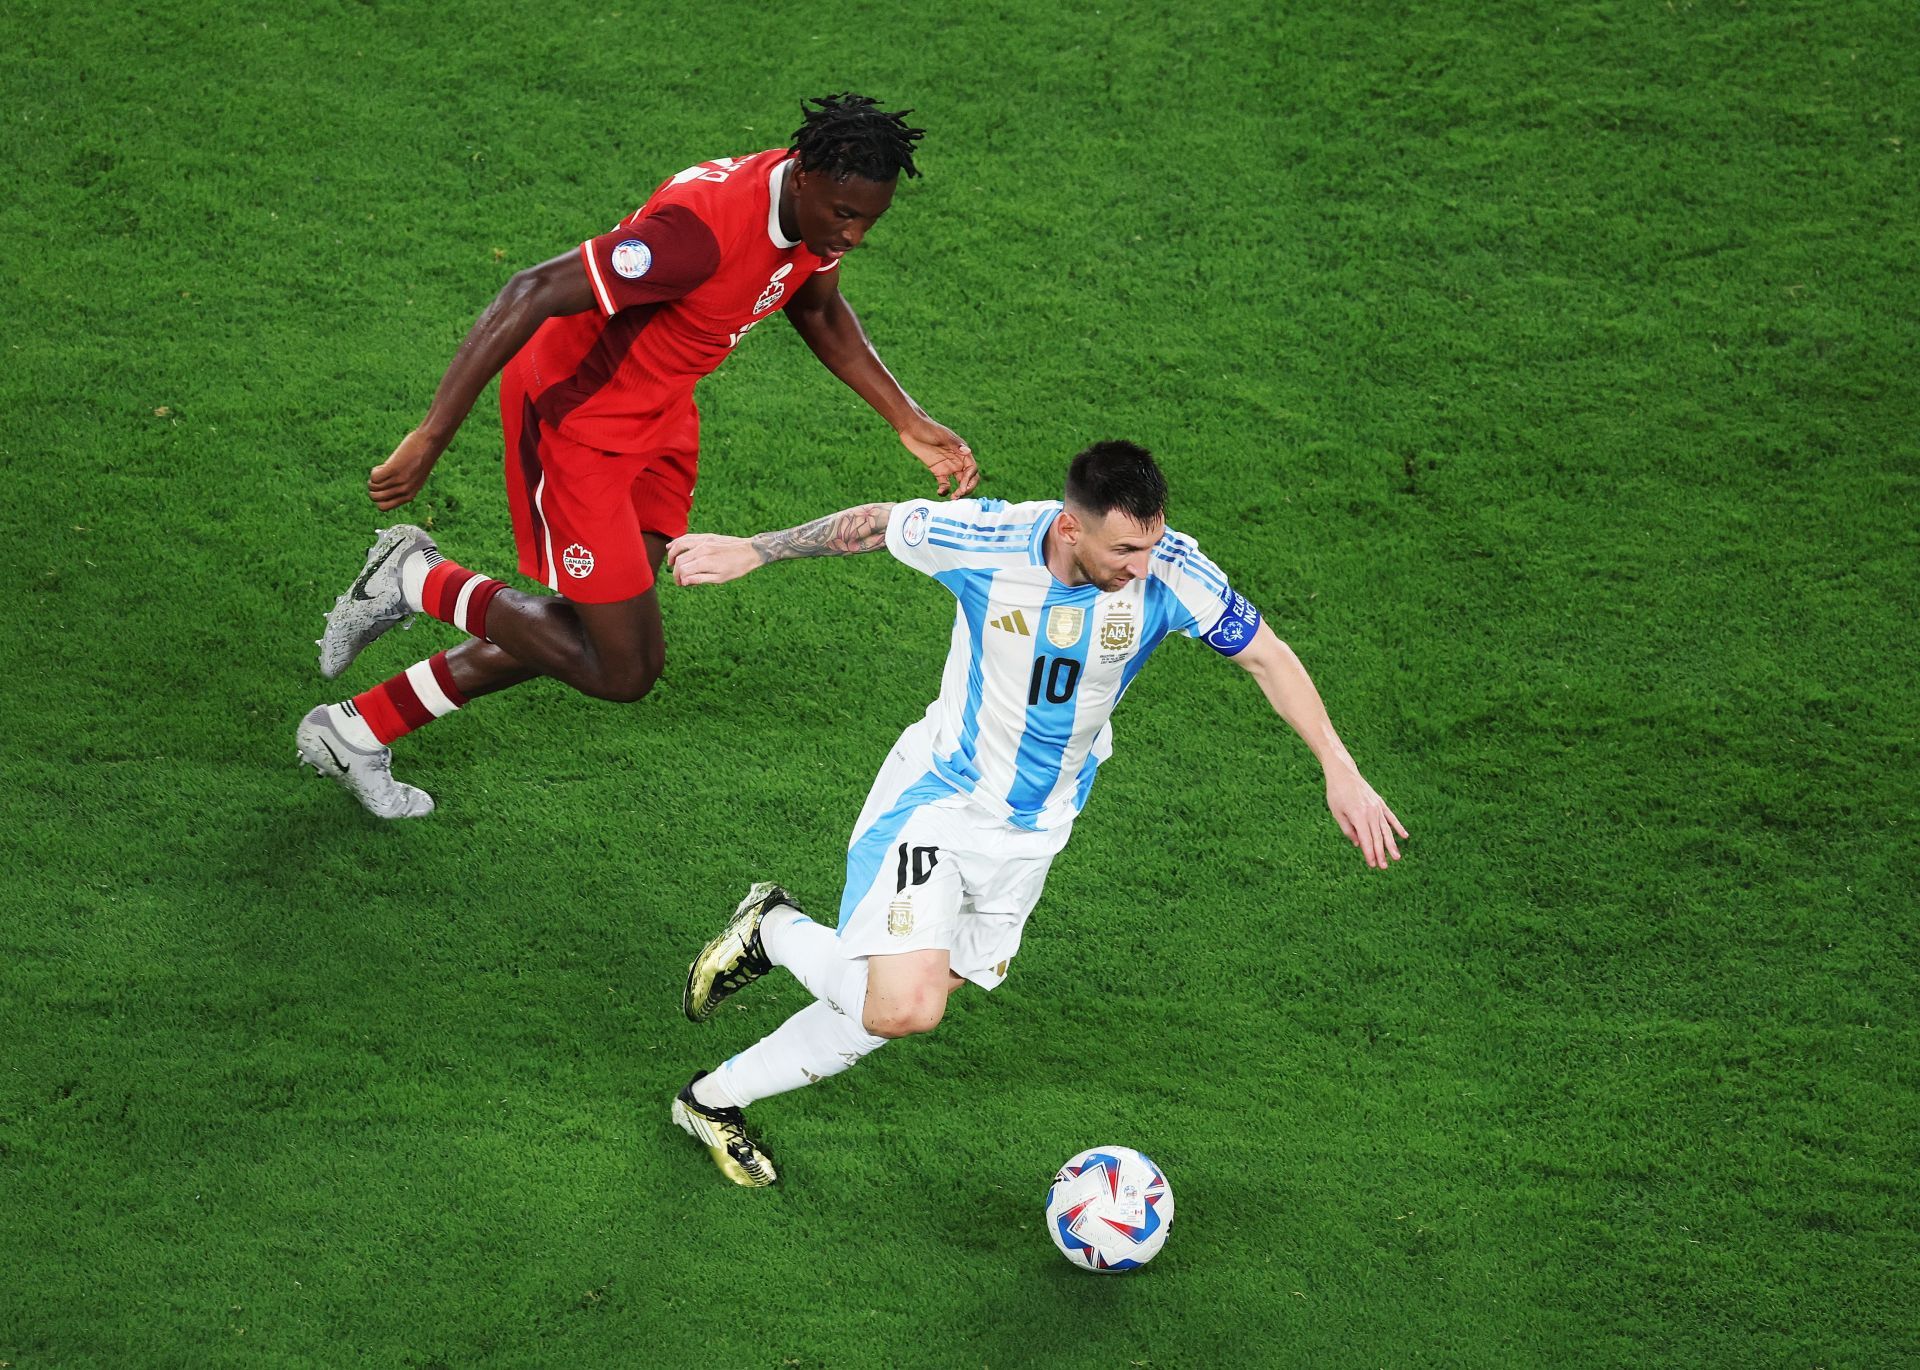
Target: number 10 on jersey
[(1054, 677)]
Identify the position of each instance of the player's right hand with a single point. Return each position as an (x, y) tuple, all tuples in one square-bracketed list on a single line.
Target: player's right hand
[(945, 453), (711, 558), (400, 477)]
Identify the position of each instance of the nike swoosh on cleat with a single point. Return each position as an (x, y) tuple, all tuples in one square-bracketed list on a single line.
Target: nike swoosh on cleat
[(335, 755), (359, 590)]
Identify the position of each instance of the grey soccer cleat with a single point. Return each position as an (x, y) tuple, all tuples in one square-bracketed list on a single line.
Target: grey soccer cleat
[(734, 959), (367, 776), (374, 602), (723, 1131)]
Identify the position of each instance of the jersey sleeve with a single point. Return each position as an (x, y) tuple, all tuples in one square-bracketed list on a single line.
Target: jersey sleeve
[(908, 526), (658, 256), (1203, 604), (936, 537)]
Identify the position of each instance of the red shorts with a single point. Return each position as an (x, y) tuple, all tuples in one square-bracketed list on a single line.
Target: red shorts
[(578, 512)]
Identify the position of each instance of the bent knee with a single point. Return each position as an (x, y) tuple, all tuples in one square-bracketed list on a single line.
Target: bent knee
[(629, 690), (904, 1019), (630, 685)]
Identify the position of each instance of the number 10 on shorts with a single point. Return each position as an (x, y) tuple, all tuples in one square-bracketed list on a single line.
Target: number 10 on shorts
[(916, 866)]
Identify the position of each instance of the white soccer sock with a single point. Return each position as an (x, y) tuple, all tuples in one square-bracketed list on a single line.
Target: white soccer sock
[(816, 1042), (812, 953), (413, 576), (352, 727)]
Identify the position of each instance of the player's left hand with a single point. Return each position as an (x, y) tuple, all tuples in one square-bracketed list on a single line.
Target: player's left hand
[(943, 452), (1364, 817), (711, 558)]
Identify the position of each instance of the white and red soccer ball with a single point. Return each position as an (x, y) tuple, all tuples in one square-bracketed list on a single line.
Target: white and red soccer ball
[(1109, 1209)]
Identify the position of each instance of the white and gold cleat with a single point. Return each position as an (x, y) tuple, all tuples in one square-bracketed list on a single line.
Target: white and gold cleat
[(723, 1131), (734, 959)]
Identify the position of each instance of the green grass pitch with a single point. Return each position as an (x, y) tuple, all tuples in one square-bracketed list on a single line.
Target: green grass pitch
[(1546, 371)]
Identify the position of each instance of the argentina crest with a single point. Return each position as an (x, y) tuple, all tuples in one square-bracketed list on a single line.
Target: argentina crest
[(1116, 633)]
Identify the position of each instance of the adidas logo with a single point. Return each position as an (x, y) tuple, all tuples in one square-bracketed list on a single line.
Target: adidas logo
[(1015, 622)]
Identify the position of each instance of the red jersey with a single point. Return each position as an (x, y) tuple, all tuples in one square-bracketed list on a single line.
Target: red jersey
[(679, 282)]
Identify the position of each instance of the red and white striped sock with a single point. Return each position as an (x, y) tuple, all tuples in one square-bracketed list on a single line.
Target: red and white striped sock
[(418, 695), (448, 591)]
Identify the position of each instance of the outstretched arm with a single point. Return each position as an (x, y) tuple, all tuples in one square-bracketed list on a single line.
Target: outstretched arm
[(528, 300), (710, 558), (822, 316), (1366, 820)]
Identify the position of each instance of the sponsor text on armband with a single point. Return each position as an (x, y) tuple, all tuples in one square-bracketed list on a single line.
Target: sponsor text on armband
[(1236, 626)]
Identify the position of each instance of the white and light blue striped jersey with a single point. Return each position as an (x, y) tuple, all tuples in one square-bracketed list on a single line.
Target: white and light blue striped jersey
[(1037, 666)]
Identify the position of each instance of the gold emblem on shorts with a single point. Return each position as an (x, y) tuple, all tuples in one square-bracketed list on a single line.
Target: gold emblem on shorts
[(900, 916), (1064, 623), (1001, 970), (1116, 634)]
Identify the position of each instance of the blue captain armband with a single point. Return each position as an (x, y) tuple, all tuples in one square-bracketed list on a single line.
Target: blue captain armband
[(1236, 626)]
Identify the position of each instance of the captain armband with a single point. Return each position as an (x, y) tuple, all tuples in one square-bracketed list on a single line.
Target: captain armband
[(1237, 625)]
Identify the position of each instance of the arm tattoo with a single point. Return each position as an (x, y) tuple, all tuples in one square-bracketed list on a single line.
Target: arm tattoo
[(836, 535)]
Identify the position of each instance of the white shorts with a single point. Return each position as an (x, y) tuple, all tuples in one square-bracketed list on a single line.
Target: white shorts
[(928, 870)]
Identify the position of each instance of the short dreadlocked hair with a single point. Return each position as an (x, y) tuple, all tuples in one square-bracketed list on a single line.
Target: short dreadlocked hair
[(849, 135)]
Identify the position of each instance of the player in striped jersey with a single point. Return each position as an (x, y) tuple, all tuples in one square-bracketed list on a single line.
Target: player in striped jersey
[(1059, 606)]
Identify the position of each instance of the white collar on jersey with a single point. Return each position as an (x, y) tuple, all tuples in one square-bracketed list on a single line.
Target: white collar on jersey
[(777, 182)]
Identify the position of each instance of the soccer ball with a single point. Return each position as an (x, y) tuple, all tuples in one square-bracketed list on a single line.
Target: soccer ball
[(1109, 1209)]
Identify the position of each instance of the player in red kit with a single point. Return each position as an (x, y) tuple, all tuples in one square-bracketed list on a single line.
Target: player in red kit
[(598, 352)]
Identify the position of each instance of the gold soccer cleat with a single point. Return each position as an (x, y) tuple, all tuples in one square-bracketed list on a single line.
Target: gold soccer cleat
[(723, 1131), (734, 959)]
